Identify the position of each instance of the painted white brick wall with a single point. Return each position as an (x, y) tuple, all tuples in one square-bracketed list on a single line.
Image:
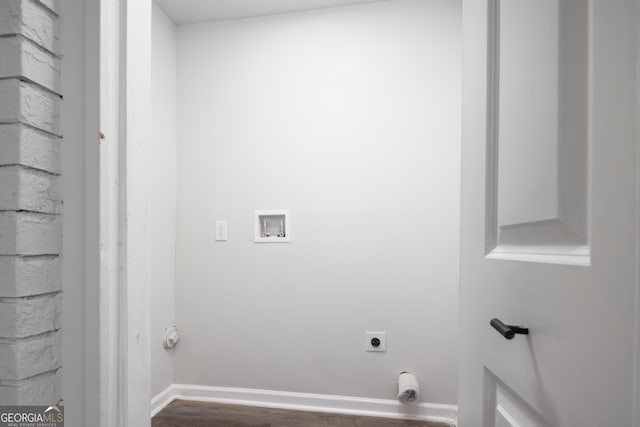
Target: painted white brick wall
[(33, 275), (29, 234), (36, 150), (27, 103), (30, 202), (30, 357), (36, 191), (23, 317), (40, 388), (23, 57), (33, 20)]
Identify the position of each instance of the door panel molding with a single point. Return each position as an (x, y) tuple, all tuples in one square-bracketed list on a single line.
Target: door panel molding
[(552, 228), (504, 408)]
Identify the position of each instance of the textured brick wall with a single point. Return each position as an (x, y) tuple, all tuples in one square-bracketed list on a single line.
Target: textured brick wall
[(30, 202)]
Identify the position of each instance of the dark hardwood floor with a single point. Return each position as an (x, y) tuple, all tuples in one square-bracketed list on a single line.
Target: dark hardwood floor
[(181, 413)]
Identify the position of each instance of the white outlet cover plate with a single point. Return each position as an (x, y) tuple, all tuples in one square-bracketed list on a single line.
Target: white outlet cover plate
[(222, 231), (383, 341)]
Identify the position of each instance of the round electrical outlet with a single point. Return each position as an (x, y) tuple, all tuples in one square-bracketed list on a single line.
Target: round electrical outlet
[(375, 341)]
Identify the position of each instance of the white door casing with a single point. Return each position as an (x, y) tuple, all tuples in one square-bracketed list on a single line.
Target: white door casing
[(134, 298), (124, 105), (549, 212)]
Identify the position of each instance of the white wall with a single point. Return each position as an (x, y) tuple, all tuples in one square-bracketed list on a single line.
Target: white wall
[(162, 193), (350, 118)]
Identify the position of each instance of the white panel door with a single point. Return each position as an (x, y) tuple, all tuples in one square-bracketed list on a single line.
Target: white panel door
[(549, 213)]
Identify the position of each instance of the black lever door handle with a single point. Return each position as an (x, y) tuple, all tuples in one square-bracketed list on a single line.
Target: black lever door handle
[(508, 331)]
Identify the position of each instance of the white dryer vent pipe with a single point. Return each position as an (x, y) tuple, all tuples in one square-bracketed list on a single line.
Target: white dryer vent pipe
[(408, 389), (170, 337)]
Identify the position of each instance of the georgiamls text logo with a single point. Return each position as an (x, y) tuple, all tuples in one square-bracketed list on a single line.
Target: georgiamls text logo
[(32, 416)]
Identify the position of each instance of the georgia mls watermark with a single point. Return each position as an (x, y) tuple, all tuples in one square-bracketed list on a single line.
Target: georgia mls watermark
[(32, 416)]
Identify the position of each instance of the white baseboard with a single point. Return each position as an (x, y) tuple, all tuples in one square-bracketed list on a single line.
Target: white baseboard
[(162, 399), (307, 402)]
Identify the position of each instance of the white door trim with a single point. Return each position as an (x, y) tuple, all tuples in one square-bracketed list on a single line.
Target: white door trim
[(124, 303), (636, 385), (136, 298), (135, 131), (111, 233)]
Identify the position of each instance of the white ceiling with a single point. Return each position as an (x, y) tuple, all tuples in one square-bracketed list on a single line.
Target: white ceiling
[(190, 11)]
